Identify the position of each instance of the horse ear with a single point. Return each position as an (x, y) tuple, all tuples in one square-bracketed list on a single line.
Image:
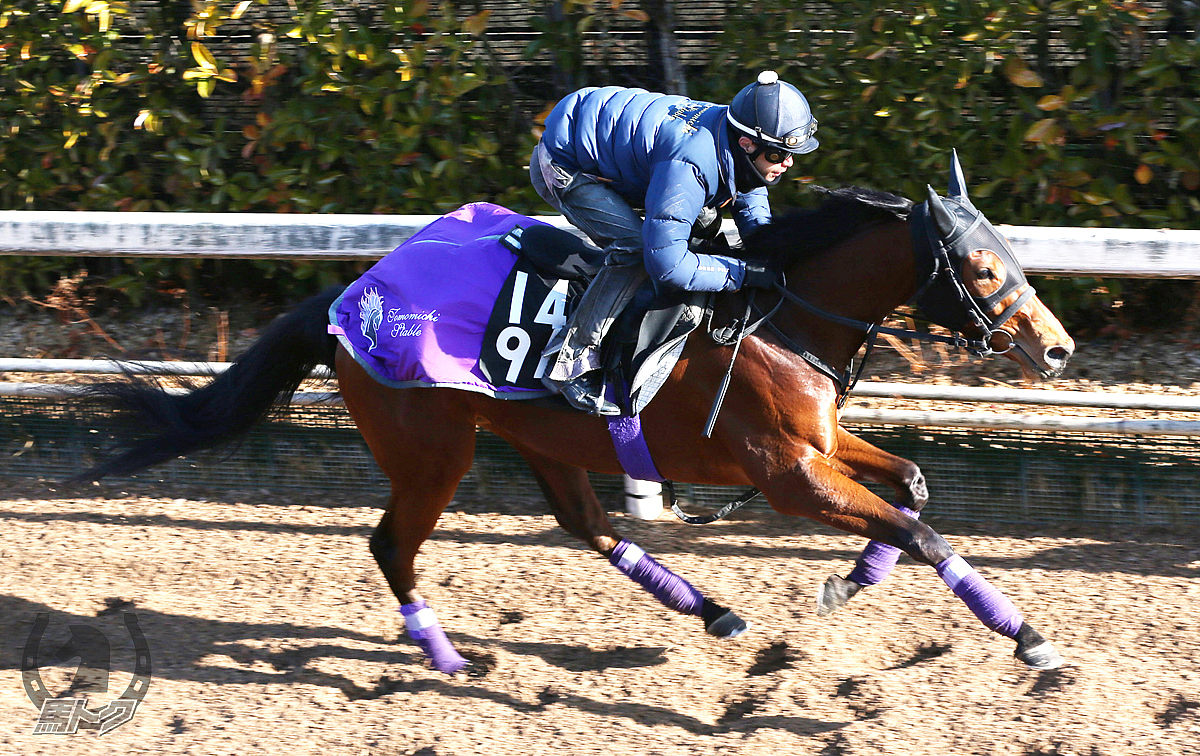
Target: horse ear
[(958, 184), (941, 216)]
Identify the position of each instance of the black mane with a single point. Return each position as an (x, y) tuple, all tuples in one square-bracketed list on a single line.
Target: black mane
[(843, 213)]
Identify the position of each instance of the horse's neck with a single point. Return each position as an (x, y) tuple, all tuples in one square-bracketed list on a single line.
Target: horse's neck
[(864, 278)]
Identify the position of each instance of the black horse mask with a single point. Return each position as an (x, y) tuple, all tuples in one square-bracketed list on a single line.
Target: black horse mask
[(944, 232)]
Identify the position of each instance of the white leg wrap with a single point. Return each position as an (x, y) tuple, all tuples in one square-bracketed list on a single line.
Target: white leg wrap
[(420, 621), (954, 569), (631, 555)]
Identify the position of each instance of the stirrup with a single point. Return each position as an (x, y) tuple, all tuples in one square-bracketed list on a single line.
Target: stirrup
[(584, 397)]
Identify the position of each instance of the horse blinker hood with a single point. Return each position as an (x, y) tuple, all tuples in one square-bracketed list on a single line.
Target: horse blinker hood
[(945, 231)]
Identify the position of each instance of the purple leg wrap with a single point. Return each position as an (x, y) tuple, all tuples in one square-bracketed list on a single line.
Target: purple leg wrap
[(667, 587), (424, 628), (878, 559), (989, 605)]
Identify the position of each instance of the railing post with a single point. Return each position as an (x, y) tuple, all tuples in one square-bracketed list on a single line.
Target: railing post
[(643, 498)]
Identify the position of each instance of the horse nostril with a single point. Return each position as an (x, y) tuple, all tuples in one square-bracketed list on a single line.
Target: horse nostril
[(1058, 355)]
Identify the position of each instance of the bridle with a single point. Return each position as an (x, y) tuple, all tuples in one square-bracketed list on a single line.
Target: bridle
[(942, 297), (943, 232)]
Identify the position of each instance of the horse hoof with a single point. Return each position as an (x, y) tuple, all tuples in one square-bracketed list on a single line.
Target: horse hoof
[(834, 594), (728, 625), (1040, 657)]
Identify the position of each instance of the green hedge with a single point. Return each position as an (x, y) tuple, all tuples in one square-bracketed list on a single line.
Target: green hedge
[(1064, 113), (131, 106), (113, 113)]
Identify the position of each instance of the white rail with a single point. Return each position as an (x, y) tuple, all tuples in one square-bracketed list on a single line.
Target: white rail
[(112, 367), (59, 391), (1122, 253), (875, 389), (1001, 421), (216, 235), (1104, 399), (1064, 251), (1106, 252)]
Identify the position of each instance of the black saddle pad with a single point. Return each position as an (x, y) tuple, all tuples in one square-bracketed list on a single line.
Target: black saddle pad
[(647, 339), (647, 336), (556, 253)]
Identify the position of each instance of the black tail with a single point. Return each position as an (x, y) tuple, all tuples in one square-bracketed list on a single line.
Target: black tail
[(224, 409)]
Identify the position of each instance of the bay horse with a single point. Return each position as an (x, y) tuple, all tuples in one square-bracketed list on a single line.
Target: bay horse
[(845, 267)]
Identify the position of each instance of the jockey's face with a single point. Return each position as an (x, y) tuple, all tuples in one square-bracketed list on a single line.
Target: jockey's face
[(769, 169)]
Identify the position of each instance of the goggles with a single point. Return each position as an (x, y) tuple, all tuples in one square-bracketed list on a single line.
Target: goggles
[(771, 153)]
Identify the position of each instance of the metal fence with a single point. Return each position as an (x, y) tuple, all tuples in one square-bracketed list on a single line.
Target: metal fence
[(989, 476)]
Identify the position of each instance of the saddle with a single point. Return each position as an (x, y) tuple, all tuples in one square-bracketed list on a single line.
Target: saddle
[(645, 342), (470, 301)]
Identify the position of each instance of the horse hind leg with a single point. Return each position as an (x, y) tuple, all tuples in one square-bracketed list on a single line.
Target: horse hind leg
[(578, 511), (394, 547), (424, 441)]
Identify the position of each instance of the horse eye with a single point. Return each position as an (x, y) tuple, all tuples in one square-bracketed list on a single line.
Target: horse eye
[(988, 274)]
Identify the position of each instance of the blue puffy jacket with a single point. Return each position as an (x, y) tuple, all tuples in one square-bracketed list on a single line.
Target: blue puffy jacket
[(669, 155)]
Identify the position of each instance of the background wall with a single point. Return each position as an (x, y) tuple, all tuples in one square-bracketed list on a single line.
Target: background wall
[(1064, 113)]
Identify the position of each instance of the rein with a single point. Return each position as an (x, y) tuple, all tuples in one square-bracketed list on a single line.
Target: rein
[(848, 378), (938, 260)]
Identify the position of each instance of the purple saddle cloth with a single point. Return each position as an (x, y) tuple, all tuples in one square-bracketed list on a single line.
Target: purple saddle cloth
[(418, 316)]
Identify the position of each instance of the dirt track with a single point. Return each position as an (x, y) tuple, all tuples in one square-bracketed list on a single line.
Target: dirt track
[(272, 632)]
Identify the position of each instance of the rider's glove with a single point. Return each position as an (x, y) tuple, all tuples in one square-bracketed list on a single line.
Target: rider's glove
[(717, 246), (759, 275)]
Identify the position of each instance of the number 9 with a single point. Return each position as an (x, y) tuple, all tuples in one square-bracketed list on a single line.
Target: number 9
[(515, 355)]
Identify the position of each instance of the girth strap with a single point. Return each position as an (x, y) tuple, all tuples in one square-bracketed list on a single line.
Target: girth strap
[(632, 451)]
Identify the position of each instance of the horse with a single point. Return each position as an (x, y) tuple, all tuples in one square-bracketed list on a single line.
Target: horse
[(844, 267)]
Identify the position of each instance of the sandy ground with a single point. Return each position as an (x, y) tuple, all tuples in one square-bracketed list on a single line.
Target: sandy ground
[(272, 632)]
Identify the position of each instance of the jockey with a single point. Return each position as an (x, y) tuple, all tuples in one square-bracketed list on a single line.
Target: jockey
[(606, 151)]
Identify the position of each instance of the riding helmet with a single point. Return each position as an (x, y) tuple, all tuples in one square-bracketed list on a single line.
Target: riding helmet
[(776, 117), (774, 113)]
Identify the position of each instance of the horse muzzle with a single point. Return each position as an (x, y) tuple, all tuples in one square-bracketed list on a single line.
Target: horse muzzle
[(1038, 361)]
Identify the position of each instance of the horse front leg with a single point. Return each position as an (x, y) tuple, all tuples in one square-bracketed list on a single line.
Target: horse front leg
[(819, 490), (868, 462), (578, 511)]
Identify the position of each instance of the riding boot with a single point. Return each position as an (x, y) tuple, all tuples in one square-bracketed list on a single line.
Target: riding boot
[(606, 296)]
